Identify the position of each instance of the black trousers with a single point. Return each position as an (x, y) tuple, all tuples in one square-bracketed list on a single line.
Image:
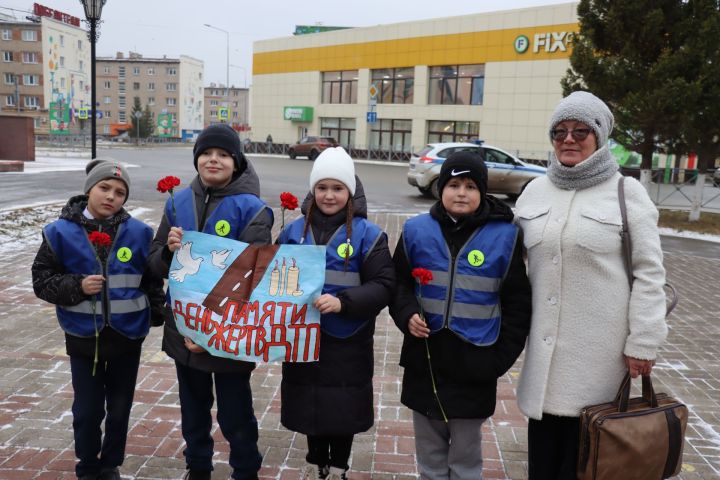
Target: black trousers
[(553, 446), (112, 387), (235, 416), (333, 451)]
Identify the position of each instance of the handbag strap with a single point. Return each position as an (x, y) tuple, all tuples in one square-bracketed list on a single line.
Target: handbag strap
[(623, 395), (627, 247)]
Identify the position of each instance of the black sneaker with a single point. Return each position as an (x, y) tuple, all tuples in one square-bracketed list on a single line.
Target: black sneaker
[(197, 475)]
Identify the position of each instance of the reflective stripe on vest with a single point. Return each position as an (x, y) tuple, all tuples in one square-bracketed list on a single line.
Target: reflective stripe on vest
[(463, 297), (128, 310), (364, 237), (238, 211)]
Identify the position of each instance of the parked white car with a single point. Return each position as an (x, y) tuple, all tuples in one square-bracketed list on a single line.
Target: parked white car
[(507, 174)]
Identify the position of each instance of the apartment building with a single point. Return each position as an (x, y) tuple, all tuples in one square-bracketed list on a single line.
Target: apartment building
[(235, 100), (172, 89), (44, 69)]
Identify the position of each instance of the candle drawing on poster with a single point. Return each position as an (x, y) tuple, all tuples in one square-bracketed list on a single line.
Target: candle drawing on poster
[(248, 302)]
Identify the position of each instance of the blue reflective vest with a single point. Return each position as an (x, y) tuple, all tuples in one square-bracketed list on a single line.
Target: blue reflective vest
[(129, 308), (364, 237), (229, 219), (463, 296)]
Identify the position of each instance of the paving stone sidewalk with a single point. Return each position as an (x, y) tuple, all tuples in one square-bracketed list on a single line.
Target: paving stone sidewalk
[(36, 393)]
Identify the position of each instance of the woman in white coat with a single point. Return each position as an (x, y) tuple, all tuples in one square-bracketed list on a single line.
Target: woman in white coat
[(588, 325)]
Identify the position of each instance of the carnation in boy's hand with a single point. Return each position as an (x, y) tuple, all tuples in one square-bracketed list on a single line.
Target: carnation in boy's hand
[(100, 239), (422, 275), (167, 184)]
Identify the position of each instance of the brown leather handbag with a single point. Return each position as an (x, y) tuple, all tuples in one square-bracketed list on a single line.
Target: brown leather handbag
[(640, 438)]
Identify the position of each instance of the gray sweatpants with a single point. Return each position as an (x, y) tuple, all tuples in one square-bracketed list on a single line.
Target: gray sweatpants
[(448, 451)]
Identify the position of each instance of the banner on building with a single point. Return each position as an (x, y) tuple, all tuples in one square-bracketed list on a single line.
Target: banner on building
[(59, 118), (248, 302), (164, 124)]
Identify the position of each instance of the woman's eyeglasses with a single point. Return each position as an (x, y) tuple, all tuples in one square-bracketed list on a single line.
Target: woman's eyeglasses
[(578, 134)]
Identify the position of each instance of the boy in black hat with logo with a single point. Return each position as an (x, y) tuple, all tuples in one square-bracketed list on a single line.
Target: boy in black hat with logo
[(103, 300), (222, 200), (467, 326)]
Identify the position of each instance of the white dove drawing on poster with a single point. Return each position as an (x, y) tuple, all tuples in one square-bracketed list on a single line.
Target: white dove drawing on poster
[(188, 264), (219, 258)]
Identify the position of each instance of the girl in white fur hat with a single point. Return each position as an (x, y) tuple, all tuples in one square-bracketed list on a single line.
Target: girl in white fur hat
[(331, 400)]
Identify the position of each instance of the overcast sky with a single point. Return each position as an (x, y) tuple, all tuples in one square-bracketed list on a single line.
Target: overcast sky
[(155, 28)]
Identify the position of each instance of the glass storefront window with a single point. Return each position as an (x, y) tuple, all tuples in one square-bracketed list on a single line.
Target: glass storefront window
[(395, 84), (339, 87), (456, 85), (449, 131)]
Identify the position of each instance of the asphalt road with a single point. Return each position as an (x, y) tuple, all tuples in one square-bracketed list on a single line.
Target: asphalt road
[(385, 185)]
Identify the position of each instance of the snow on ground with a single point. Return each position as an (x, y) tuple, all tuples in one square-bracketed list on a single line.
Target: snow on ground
[(52, 164)]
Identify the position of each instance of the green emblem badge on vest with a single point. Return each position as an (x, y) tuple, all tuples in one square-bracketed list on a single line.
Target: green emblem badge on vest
[(124, 254), (476, 258), (222, 228), (344, 249)]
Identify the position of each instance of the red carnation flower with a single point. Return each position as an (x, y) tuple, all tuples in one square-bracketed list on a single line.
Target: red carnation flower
[(100, 239), (422, 275), (167, 184), (288, 201)]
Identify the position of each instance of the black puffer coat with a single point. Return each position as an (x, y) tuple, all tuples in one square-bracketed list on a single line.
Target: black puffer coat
[(334, 396), (465, 374), (206, 200), (52, 284)]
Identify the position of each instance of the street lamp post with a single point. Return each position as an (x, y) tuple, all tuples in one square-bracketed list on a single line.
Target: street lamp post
[(93, 10), (227, 67)]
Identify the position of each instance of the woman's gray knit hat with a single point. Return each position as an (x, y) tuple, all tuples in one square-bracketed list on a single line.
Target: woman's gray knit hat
[(588, 109), (103, 169)]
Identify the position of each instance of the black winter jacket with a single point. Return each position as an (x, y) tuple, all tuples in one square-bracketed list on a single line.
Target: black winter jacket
[(52, 284), (334, 396), (465, 374), (206, 200)]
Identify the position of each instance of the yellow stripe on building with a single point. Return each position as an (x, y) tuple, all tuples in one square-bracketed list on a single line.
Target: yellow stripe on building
[(461, 48)]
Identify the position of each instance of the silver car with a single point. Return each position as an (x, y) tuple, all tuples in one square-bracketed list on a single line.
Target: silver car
[(506, 173)]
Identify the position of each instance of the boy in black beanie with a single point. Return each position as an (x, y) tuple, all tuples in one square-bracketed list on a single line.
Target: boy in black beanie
[(222, 200), (466, 327)]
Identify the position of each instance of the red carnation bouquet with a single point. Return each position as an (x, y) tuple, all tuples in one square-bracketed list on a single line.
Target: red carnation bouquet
[(99, 240), (168, 184), (288, 201), (423, 276)]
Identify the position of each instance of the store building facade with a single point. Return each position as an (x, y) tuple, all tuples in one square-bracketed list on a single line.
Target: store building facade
[(394, 88)]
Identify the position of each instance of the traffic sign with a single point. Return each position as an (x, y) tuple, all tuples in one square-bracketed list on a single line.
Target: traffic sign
[(373, 90), (371, 117), (98, 114), (223, 113), (83, 113)]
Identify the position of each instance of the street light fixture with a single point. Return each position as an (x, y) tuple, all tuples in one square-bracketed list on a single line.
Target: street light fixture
[(227, 67), (93, 10)]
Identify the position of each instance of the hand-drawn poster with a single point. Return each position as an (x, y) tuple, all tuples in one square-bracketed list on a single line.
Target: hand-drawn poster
[(248, 302)]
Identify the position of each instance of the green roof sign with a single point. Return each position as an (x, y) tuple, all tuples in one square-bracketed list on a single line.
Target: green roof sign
[(298, 114)]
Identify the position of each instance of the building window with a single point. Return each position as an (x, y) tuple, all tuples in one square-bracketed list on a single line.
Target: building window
[(79, 45), (395, 85), (7, 34), (170, 71), (121, 116), (106, 129), (30, 57), (341, 129), (30, 80), (136, 71), (9, 78), (10, 100), (340, 87), (457, 85), (121, 87), (29, 36), (62, 40), (391, 135), (449, 131), (121, 72), (62, 61), (151, 101), (151, 70), (136, 85), (82, 85), (106, 85), (7, 56), (31, 102), (213, 113), (108, 114), (62, 82), (171, 102), (171, 87), (106, 70), (213, 103), (107, 100), (81, 65), (121, 102)]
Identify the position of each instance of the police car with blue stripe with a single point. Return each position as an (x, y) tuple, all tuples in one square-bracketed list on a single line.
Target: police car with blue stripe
[(507, 174)]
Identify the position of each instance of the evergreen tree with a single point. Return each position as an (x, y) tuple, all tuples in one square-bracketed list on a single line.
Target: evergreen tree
[(624, 54), (144, 122)]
